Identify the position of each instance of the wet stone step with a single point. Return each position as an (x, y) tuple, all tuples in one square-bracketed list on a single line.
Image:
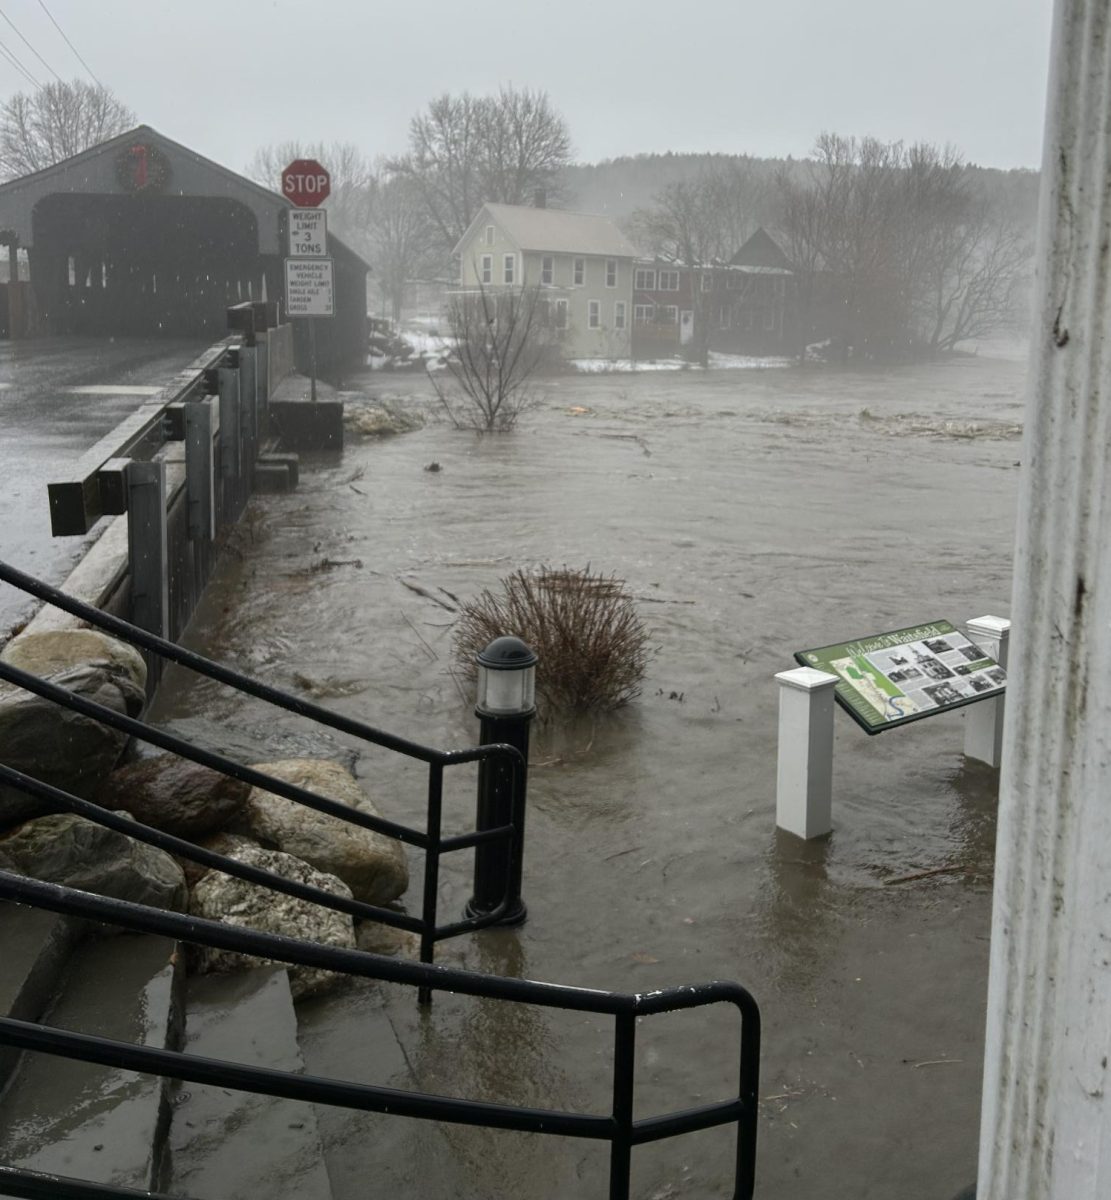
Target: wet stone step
[(231, 1145), (34, 946), (89, 1122)]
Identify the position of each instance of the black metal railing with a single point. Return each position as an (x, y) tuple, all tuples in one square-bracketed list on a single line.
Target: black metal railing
[(430, 840), (618, 1127)]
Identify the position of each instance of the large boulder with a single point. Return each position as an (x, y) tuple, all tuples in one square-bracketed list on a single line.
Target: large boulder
[(58, 746), (372, 865), (175, 795), (55, 650), (232, 901), (63, 848)]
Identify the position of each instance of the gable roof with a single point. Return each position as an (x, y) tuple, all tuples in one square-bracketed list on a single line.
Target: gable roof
[(94, 170), (761, 250), (553, 229)]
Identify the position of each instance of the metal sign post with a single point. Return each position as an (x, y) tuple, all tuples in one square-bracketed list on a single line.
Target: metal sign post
[(309, 272)]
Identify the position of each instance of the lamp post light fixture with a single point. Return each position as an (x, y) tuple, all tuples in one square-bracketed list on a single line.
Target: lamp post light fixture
[(505, 708)]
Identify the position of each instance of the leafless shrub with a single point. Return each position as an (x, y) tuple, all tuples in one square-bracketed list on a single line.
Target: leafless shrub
[(501, 340), (592, 645)]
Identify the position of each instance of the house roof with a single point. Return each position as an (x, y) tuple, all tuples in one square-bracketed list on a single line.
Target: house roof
[(553, 229), (94, 170), (761, 250)]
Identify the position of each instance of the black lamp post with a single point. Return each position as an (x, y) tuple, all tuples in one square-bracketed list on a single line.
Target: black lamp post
[(505, 708)]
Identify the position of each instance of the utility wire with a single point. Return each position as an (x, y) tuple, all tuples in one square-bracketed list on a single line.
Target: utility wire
[(70, 44), (19, 66), (29, 46)]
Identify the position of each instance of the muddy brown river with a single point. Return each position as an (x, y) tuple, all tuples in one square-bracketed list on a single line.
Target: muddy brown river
[(752, 513)]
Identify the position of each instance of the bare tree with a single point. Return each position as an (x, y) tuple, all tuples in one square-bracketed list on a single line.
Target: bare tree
[(352, 177), (699, 223), (467, 150), (501, 340), (916, 257), (400, 235), (38, 129)]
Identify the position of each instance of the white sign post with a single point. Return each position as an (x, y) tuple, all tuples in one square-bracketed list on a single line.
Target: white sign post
[(308, 232)]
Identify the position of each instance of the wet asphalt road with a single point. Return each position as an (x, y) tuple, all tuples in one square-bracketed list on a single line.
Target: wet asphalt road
[(45, 427)]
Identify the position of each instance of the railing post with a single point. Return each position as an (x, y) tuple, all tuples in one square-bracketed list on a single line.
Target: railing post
[(230, 448), (505, 709), (983, 730), (146, 546), (248, 410), (804, 775), (624, 1068), (200, 475)]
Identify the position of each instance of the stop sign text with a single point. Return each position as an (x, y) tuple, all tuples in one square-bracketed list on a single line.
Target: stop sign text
[(306, 183)]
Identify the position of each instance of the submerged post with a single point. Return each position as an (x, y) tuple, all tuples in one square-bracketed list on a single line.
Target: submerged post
[(505, 708), (1046, 1125), (804, 775), (983, 729)]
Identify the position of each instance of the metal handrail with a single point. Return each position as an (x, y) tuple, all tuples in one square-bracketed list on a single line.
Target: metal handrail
[(430, 840), (618, 1127)]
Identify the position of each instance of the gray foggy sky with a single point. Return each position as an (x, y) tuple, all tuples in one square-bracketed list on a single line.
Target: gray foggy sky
[(717, 75)]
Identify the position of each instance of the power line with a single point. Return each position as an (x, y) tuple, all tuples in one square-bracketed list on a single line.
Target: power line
[(19, 66), (70, 44), (29, 46)]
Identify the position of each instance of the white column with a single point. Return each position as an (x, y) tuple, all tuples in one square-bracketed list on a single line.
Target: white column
[(804, 781), (1046, 1127), (983, 727)]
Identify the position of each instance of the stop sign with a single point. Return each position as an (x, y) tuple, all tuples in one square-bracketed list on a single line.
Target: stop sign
[(306, 183)]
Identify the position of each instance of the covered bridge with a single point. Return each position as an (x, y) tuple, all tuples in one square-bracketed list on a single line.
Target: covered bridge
[(141, 236)]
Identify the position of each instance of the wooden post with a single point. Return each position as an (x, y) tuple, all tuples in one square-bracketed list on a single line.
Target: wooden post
[(804, 778), (200, 475), (230, 448), (1045, 1132), (983, 728), (248, 410), (146, 546)]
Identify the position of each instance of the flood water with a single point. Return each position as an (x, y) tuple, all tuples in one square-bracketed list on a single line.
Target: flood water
[(752, 513)]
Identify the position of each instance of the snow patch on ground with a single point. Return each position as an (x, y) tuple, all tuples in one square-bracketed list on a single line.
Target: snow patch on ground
[(724, 362)]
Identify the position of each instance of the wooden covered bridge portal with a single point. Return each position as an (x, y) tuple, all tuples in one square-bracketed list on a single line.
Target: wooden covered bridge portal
[(141, 236)]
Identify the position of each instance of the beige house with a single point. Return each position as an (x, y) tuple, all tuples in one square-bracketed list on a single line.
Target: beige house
[(582, 263)]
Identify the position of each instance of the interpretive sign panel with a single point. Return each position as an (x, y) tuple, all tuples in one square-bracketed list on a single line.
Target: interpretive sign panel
[(308, 232), (309, 287), (888, 679)]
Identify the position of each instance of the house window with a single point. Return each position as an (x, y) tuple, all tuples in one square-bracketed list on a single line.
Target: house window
[(579, 272), (707, 281), (734, 281), (547, 269), (645, 280), (669, 281), (642, 313), (594, 314), (509, 265), (619, 315), (611, 272), (769, 320), (669, 314), (725, 317), (487, 268), (561, 314), (489, 235)]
